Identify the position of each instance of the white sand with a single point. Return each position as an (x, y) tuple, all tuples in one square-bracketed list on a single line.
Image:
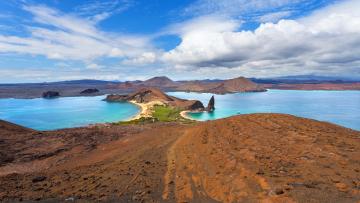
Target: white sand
[(146, 108), (184, 115)]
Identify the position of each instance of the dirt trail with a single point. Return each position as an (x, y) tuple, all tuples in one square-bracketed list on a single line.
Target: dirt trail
[(127, 169)]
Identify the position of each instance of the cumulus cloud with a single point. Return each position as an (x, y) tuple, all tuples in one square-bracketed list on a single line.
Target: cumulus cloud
[(213, 42), (33, 74), (327, 41), (68, 37)]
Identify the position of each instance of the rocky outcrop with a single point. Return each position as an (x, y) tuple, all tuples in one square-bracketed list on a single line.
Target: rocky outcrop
[(189, 105), (50, 94), (211, 105), (196, 106), (89, 91)]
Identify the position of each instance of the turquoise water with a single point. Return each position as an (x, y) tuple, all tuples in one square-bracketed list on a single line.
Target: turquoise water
[(64, 112), (339, 107)]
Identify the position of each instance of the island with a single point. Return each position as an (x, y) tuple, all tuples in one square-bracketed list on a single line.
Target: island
[(89, 91), (50, 94)]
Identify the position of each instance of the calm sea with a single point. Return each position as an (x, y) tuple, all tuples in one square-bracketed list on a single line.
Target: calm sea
[(64, 112), (339, 107)]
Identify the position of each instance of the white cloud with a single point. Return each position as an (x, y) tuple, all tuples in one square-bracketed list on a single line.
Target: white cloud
[(274, 17), (144, 59), (326, 42), (40, 74), (99, 10), (68, 37), (254, 10), (212, 46)]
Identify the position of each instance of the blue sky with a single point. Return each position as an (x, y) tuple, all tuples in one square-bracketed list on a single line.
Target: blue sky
[(184, 39)]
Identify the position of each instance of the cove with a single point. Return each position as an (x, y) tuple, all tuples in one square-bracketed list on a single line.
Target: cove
[(64, 112)]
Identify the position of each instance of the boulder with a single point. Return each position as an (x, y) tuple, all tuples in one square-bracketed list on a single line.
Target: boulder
[(211, 105), (50, 94)]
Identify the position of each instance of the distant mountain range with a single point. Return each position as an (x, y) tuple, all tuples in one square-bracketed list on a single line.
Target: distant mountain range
[(165, 81), (216, 86), (239, 84)]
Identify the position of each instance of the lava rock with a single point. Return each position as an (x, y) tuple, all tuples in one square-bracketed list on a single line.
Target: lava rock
[(196, 105), (211, 105)]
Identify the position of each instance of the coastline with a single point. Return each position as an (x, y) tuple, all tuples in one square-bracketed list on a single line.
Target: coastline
[(184, 115), (145, 109)]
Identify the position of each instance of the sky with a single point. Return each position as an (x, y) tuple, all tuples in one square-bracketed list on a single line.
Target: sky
[(56, 40)]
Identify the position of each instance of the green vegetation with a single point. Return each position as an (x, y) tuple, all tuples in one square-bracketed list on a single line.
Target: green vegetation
[(141, 120), (166, 113), (162, 114)]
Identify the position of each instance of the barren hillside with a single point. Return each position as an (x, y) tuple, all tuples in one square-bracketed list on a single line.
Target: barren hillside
[(248, 158)]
